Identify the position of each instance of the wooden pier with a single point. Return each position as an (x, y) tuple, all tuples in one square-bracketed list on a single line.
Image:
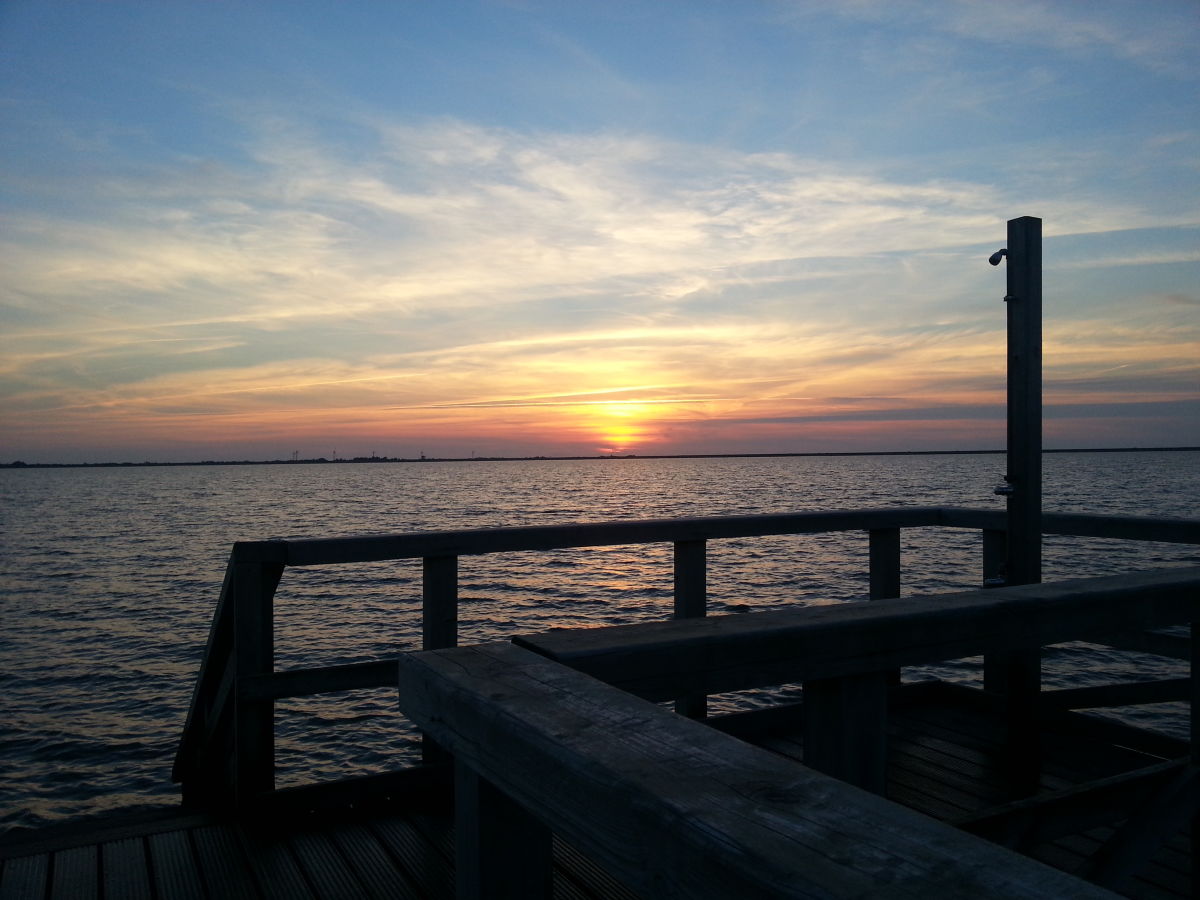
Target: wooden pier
[(582, 764), (593, 788)]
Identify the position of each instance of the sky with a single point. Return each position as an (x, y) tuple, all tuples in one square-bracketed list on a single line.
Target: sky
[(247, 230)]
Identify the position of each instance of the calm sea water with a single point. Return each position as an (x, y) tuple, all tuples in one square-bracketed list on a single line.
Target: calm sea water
[(110, 576)]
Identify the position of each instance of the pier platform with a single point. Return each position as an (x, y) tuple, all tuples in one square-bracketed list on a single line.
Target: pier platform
[(583, 763), (947, 759)]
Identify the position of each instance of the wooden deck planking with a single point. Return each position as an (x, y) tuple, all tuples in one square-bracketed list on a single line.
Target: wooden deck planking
[(276, 871), (226, 871), (370, 861), (125, 871), (425, 863), (25, 877), (944, 761), (174, 867), (75, 874)]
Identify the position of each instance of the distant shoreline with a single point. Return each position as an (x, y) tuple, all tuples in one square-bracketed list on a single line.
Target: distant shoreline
[(601, 456)]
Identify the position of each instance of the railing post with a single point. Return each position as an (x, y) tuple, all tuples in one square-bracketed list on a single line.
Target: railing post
[(439, 622), (845, 719), (691, 602), (885, 563), (500, 849), (1194, 735), (884, 556), (439, 602), (254, 584), (995, 551)]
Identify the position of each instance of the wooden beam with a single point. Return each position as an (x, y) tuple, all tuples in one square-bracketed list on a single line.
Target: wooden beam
[(1128, 528), (320, 551), (884, 556), (411, 789), (691, 602), (845, 729), (1024, 823), (1172, 646), (676, 809), (319, 680), (725, 653), (1127, 694), (1023, 303), (253, 761), (1164, 813), (500, 849)]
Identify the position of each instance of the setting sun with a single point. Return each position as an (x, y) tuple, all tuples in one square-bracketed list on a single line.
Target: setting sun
[(620, 426)]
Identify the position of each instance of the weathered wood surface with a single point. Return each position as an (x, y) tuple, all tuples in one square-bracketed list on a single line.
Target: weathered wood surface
[(1024, 823), (947, 753), (1023, 308), (253, 761), (691, 602), (397, 856), (1121, 694), (677, 809), (318, 551), (373, 548), (1129, 528), (657, 659)]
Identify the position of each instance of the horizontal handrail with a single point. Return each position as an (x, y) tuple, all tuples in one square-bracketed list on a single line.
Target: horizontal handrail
[(729, 653), (669, 807), (1130, 528), (474, 542), (229, 721)]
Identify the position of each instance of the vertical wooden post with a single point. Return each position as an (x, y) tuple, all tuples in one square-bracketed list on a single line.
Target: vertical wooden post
[(884, 555), (439, 602), (439, 623), (995, 550), (1020, 674), (500, 849), (1024, 303), (885, 563), (253, 768), (845, 729), (1194, 755), (691, 602)]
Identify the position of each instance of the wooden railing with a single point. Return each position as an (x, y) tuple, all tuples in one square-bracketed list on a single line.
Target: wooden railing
[(226, 754), (549, 737)]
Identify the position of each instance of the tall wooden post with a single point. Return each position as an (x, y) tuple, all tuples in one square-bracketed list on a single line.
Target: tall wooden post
[(1019, 675), (1024, 301)]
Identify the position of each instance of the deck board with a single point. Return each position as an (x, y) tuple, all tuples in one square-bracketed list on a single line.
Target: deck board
[(176, 873), (275, 868), (371, 863), (76, 874), (429, 869), (25, 877), (126, 872), (324, 867), (226, 871)]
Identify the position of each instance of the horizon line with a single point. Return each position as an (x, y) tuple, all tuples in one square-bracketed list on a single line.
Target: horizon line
[(321, 460)]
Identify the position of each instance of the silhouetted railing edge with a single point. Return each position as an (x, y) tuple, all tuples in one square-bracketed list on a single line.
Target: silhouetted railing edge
[(227, 749)]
